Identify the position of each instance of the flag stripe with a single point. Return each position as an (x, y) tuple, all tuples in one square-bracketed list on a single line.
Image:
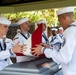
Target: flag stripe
[(37, 36)]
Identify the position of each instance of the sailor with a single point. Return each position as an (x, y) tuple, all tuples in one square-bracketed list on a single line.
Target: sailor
[(60, 31), (55, 39), (21, 36), (45, 40), (44, 37), (6, 45), (67, 54)]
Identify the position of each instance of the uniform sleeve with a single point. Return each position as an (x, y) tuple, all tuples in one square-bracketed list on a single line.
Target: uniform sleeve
[(4, 54), (11, 44), (60, 39), (43, 40), (64, 55), (15, 40), (18, 38), (49, 39)]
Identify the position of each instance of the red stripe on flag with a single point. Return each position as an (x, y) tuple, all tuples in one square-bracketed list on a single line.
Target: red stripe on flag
[(19, 54), (37, 36)]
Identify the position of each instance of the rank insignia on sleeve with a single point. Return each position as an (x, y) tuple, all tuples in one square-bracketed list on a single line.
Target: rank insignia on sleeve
[(16, 38), (64, 41)]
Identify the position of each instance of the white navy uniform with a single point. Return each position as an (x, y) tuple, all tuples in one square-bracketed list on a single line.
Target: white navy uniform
[(5, 53), (67, 54), (19, 37), (61, 35), (55, 40), (45, 39)]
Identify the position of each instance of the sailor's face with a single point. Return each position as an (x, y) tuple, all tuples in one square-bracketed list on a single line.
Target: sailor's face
[(26, 26), (3, 29), (64, 20), (61, 31), (54, 32), (61, 19), (44, 27)]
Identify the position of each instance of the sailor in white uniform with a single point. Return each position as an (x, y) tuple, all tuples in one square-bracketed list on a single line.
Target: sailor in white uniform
[(44, 37), (60, 31), (55, 39), (21, 36), (6, 45), (67, 54)]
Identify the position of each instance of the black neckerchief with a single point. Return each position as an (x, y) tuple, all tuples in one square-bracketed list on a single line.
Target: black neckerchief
[(1, 46), (71, 26), (4, 45), (61, 35), (24, 35), (53, 39), (45, 37)]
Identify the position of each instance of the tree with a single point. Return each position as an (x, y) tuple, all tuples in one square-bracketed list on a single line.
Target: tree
[(34, 16)]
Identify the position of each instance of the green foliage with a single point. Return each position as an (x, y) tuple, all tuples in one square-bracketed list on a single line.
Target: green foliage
[(75, 14), (33, 15)]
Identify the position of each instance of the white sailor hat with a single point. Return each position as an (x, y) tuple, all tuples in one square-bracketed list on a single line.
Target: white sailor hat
[(55, 29), (22, 21), (60, 28), (65, 10), (41, 21), (5, 21)]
